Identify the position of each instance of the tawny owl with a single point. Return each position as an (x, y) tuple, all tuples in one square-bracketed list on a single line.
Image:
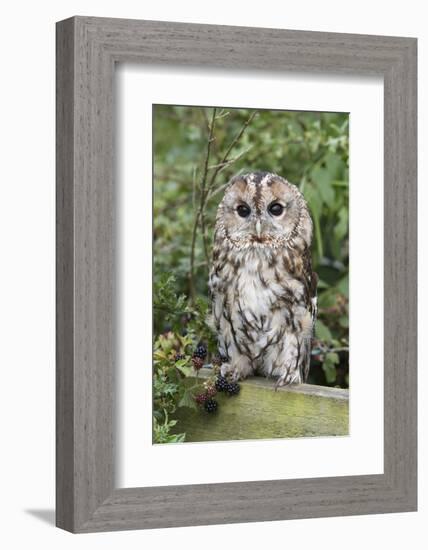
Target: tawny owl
[(262, 286)]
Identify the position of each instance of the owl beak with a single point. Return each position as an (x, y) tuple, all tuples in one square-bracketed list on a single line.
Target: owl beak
[(258, 229)]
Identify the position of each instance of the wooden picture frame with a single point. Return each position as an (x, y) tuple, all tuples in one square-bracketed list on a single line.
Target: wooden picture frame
[(87, 50)]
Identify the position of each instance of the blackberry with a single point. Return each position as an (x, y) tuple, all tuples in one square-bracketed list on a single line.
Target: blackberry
[(201, 398), (198, 363), (179, 357), (210, 405), (233, 388), (221, 383), (201, 352)]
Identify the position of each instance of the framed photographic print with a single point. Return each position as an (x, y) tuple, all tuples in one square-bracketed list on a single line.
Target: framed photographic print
[(236, 274)]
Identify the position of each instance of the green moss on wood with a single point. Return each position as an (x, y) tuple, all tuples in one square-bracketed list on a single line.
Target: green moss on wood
[(259, 412)]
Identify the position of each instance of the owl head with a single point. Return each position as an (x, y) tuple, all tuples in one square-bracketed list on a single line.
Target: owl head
[(264, 210)]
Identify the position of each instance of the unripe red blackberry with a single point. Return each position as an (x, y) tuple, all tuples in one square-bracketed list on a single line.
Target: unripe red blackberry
[(198, 363), (201, 398)]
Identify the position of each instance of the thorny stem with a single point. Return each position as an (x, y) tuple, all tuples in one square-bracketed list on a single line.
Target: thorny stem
[(206, 192), (234, 142), (200, 210)]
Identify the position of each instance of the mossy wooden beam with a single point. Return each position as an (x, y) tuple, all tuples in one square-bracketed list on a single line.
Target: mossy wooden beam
[(260, 412)]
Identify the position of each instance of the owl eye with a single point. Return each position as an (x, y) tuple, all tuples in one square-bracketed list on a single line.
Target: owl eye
[(243, 211), (276, 209)]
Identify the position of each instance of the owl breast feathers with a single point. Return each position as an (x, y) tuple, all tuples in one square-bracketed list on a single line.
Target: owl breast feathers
[(262, 286)]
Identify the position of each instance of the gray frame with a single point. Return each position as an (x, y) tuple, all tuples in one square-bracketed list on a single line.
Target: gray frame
[(87, 50)]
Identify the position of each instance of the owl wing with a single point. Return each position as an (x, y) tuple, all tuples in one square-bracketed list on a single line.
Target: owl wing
[(310, 281), (216, 285)]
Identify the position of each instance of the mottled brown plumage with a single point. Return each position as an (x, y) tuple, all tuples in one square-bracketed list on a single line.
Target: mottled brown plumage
[(262, 285)]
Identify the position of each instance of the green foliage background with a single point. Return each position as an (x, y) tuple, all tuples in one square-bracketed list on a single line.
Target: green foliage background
[(309, 149)]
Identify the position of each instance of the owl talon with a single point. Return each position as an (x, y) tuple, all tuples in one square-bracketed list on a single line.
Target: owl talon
[(279, 383), (225, 369), (234, 376), (287, 379), (230, 372)]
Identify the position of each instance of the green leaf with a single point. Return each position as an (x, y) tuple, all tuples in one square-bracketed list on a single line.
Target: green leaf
[(323, 180), (187, 371), (344, 321), (313, 198), (327, 298), (341, 228), (343, 286), (176, 438), (333, 357), (322, 284), (334, 164), (160, 356), (187, 400), (181, 363), (329, 369), (322, 332), (340, 183)]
